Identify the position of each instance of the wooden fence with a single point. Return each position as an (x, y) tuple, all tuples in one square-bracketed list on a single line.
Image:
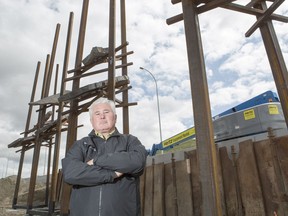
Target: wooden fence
[(253, 177)]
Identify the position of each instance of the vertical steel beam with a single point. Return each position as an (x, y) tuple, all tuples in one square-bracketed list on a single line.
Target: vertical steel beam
[(111, 54), (45, 75), (53, 191), (276, 61), (53, 54), (125, 108), (73, 116), (48, 171), (206, 149), (51, 143), (25, 135), (38, 140)]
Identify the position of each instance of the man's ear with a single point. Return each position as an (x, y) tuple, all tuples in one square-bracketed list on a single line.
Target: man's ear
[(115, 117)]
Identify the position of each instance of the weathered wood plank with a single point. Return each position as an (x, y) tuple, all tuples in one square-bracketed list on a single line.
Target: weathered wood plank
[(184, 190), (169, 191), (281, 167), (158, 198), (250, 184), (282, 153), (148, 202), (142, 191), (196, 187), (271, 192), (220, 179), (230, 184)]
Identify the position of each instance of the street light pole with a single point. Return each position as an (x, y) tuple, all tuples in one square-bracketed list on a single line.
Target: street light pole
[(157, 96)]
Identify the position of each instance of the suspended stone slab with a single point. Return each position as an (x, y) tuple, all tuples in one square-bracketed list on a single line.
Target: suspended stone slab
[(46, 118), (93, 89), (53, 99), (97, 54), (50, 126), (22, 141)]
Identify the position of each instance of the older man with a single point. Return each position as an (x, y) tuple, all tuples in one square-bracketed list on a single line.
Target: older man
[(104, 168)]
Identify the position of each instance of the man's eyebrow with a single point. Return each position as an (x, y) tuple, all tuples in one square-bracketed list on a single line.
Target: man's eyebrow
[(97, 111)]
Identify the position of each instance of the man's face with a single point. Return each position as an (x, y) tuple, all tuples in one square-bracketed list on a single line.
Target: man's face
[(103, 119)]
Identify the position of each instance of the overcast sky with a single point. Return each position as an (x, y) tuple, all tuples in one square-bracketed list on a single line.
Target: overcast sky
[(237, 67)]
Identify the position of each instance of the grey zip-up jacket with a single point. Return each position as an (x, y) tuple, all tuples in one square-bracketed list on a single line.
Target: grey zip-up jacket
[(96, 190)]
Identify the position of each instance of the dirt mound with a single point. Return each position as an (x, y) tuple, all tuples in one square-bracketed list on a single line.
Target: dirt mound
[(7, 188)]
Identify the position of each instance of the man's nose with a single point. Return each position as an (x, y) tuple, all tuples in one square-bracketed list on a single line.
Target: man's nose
[(102, 115)]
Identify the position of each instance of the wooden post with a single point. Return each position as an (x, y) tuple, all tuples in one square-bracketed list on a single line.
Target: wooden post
[(206, 150)]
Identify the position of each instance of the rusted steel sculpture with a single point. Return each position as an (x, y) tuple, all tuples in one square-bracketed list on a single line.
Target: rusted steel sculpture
[(206, 150), (70, 104)]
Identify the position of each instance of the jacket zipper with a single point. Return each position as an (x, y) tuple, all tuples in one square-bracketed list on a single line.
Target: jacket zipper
[(100, 201)]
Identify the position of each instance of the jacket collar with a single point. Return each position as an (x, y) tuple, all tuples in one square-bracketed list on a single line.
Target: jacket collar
[(115, 133)]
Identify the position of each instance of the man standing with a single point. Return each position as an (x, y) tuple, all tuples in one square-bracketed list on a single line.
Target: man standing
[(104, 168)]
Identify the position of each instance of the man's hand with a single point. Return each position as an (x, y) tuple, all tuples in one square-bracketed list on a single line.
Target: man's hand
[(90, 162), (118, 174)]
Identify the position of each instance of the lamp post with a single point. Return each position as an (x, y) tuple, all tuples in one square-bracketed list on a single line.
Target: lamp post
[(158, 107)]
